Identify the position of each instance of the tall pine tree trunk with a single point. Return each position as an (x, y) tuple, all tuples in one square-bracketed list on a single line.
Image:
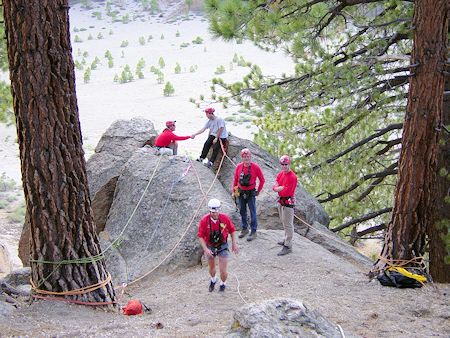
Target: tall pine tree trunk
[(439, 227), (53, 167), (416, 185)]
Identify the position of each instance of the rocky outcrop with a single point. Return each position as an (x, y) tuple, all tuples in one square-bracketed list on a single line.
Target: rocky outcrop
[(114, 149), (158, 202), (281, 318)]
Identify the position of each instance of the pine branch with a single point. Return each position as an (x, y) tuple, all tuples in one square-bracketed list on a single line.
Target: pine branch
[(362, 142), (375, 183), (361, 219), (371, 230), (381, 174)]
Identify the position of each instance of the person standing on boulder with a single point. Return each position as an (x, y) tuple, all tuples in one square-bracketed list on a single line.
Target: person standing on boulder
[(218, 135), (213, 231), (166, 142), (286, 183), (244, 187)]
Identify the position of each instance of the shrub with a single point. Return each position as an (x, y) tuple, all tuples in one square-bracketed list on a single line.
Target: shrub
[(6, 183), (110, 63), (168, 89), (124, 43), (177, 34), (77, 39), (126, 18), (198, 40), (99, 36), (142, 41), (18, 214), (177, 68), (220, 70), (87, 75), (161, 62), (126, 75), (162, 37)]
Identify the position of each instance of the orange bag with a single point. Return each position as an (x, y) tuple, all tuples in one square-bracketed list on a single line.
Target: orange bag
[(133, 307)]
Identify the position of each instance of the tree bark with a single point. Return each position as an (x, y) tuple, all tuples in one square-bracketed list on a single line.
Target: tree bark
[(52, 159), (416, 185), (439, 226)]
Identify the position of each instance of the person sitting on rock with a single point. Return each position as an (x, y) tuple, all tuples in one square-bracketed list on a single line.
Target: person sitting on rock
[(244, 186), (166, 142), (213, 231), (218, 135)]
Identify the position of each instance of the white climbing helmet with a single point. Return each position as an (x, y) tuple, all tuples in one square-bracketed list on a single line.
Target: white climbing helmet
[(214, 204)]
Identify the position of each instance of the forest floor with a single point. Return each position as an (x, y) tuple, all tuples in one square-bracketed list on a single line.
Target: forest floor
[(182, 306)]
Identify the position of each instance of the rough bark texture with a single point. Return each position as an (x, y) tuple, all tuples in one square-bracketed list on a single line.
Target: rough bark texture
[(416, 185), (52, 158), (439, 227)]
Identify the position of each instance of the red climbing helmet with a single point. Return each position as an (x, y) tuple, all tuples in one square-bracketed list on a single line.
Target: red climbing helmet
[(210, 110), (245, 152), (170, 124), (285, 159)]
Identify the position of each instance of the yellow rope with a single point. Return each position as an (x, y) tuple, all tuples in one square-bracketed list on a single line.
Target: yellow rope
[(74, 292)]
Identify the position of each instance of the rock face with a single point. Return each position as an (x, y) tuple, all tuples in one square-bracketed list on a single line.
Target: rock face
[(163, 228), (114, 149), (281, 318)]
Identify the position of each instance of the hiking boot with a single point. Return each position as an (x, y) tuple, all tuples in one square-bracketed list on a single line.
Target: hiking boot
[(252, 236), (209, 164), (243, 233), (284, 251), (222, 288), (211, 286), (280, 243)]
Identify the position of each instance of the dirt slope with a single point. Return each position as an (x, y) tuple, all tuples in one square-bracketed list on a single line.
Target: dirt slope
[(182, 304)]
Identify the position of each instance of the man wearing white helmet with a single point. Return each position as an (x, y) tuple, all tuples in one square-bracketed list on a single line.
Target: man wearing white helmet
[(244, 186), (286, 182), (213, 231)]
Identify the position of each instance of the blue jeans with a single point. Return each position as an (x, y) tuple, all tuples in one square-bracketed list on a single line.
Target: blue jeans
[(250, 201)]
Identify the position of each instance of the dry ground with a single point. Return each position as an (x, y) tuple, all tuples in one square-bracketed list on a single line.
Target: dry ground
[(182, 304)]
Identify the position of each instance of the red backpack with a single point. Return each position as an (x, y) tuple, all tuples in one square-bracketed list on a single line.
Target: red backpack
[(133, 307)]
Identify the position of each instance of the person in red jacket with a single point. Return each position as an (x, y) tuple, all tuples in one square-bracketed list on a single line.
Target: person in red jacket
[(286, 183), (213, 231), (244, 182), (166, 142)]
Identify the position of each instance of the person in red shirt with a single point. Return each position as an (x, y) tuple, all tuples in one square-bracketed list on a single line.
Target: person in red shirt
[(286, 183), (168, 140), (244, 182), (213, 231)]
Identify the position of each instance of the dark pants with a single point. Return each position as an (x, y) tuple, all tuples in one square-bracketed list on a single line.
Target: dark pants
[(216, 148), (248, 198)]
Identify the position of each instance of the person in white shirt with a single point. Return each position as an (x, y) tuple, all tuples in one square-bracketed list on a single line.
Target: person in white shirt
[(218, 135)]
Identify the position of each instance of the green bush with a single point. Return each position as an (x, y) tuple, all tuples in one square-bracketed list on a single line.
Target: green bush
[(168, 89), (6, 183), (77, 39), (177, 68), (99, 36), (161, 62), (18, 214), (220, 70), (142, 41), (87, 75), (198, 40), (124, 43)]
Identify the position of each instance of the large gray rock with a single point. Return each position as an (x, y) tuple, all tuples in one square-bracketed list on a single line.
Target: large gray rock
[(114, 149), (281, 318), (163, 228)]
